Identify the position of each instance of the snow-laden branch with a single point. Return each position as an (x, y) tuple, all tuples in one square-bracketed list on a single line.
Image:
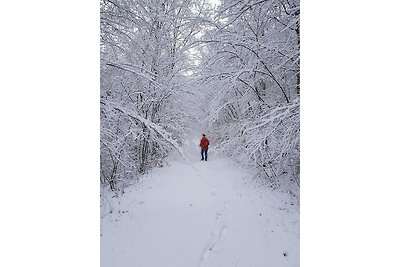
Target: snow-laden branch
[(128, 68), (150, 125), (278, 113)]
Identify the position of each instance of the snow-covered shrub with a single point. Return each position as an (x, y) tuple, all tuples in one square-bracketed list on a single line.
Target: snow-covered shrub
[(273, 142)]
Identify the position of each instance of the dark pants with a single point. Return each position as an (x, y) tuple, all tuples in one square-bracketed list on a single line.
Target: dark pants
[(204, 154)]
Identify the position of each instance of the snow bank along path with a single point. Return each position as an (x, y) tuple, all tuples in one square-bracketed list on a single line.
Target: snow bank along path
[(200, 214)]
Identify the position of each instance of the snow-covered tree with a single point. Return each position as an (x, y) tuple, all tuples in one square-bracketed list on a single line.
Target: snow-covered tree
[(251, 69), (144, 74)]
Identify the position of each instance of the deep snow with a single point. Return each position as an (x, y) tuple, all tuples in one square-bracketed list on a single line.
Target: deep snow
[(200, 214)]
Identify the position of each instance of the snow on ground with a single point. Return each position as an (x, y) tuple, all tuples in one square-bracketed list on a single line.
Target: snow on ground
[(200, 214)]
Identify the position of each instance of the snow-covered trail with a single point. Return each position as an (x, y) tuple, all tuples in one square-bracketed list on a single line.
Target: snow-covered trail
[(201, 214)]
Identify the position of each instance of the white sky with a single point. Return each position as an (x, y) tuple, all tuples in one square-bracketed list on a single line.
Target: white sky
[(215, 2)]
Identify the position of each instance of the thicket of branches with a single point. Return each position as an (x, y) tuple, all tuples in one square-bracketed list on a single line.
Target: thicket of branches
[(144, 68), (251, 67)]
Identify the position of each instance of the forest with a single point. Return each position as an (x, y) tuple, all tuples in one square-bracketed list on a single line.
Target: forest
[(174, 69)]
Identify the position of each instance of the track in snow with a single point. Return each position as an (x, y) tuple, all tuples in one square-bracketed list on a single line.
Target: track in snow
[(200, 214)]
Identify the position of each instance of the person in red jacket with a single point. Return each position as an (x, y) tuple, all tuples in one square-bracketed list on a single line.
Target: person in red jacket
[(204, 143)]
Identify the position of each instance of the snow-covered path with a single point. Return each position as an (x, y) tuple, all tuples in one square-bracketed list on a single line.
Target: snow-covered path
[(201, 214)]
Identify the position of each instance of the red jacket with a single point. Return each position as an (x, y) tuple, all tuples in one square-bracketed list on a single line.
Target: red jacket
[(204, 143)]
